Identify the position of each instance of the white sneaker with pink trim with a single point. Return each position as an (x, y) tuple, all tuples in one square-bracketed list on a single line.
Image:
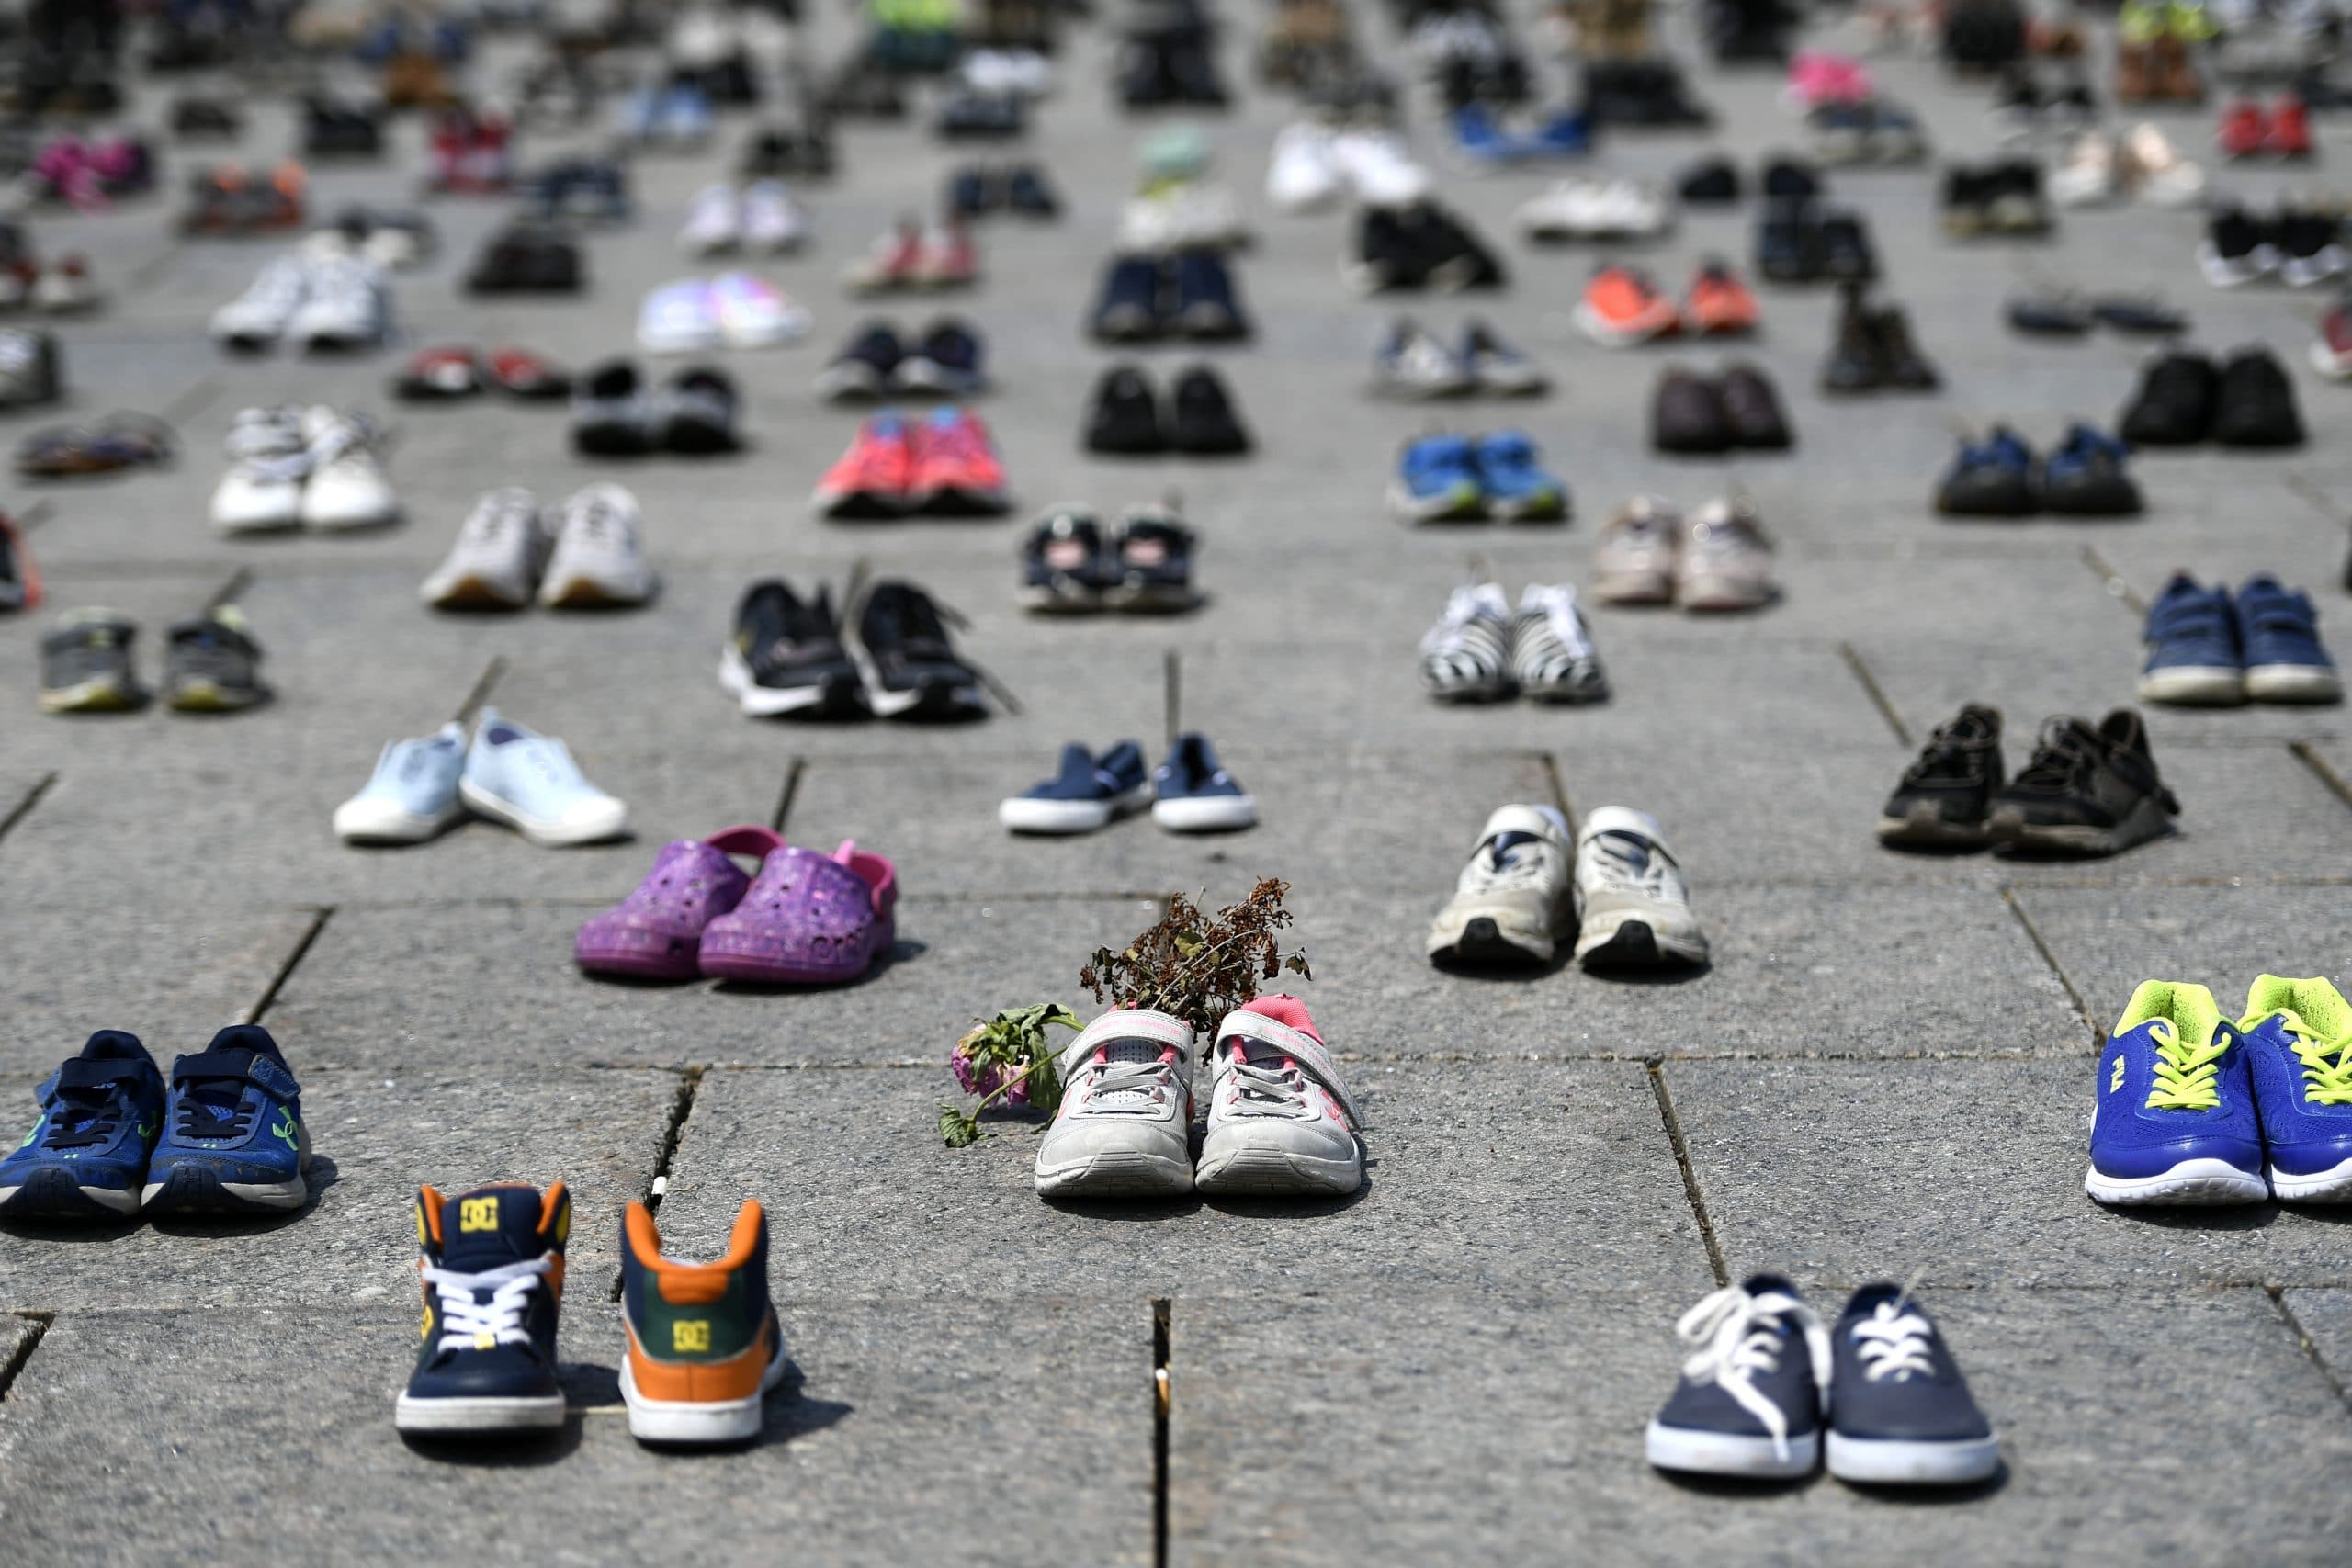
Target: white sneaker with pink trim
[(1280, 1120), (1125, 1129)]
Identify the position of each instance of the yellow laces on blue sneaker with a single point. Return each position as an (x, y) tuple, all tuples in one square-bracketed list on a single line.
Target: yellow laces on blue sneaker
[(2185, 1073), (2327, 1064)]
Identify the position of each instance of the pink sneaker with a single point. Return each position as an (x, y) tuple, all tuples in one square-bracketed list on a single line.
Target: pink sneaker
[(1279, 1119), (949, 259), (656, 932), (1817, 78), (808, 920)]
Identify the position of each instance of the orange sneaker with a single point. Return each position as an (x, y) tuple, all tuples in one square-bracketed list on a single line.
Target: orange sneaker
[(704, 1344), (1719, 304), (1620, 307)]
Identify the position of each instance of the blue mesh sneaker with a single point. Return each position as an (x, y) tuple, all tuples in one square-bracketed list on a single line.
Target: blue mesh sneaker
[(1437, 481), (1512, 478), (1994, 478), (233, 1140), (2298, 1043), (1750, 1402), (1900, 1414), (2192, 640), (1090, 792), (2176, 1121), (492, 1266), (1196, 795), (2285, 662), (87, 1155)]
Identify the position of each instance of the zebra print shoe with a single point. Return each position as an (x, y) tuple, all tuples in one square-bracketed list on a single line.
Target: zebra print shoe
[(1552, 656), (1465, 658)]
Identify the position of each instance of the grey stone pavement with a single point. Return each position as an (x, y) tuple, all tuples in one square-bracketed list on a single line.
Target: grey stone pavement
[(1886, 1073)]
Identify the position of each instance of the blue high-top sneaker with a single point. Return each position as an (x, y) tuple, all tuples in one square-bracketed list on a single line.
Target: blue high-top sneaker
[(492, 1261)]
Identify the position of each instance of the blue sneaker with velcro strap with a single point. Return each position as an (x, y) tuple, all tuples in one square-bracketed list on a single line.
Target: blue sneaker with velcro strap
[(87, 1155), (1089, 792), (232, 1139), (2285, 661), (2176, 1121), (2194, 657)]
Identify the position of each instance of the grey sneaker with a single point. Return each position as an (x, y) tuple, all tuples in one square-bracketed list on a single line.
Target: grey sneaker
[(1635, 562), (1633, 908), (1124, 1126), (28, 373), (1726, 560), (1552, 656), (1498, 368), (599, 561), (1511, 901), (496, 561), (86, 664), (1412, 364), (212, 664), (1280, 1121)]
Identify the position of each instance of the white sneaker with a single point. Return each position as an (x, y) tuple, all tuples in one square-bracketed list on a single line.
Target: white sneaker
[(1552, 656), (1511, 901), (773, 221), (678, 318), (599, 560), (1304, 176), (1632, 909), (2155, 168), (268, 459), (2086, 174), (713, 223), (1377, 165), (1465, 658), (496, 563), (258, 317), (344, 307), (1590, 208), (1280, 1120), (1182, 215), (348, 488), (1124, 1126), (753, 313)]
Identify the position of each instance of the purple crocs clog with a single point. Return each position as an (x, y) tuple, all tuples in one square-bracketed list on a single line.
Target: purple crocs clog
[(653, 934), (809, 920)]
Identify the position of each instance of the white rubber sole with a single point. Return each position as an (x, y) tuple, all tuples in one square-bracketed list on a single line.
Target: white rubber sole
[(117, 1200), (478, 1414), (290, 1194), (679, 342), (2328, 363), (2194, 686), (762, 702), (1205, 814), (472, 590), (379, 822), (1275, 1172), (604, 825), (586, 593), (2293, 684), (1452, 507), (1632, 939), (1020, 814), (1610, 335), (1730, 1453), (1888, 1461), (1115, 1173), (2202, 1182), (2331, 1186), (715, 1422)]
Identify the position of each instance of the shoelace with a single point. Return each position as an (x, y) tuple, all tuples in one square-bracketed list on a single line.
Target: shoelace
[(346, 436), (201, 1118), (1945, 757), (1732, 536), (2184, 1074), (468, 1323), (1738, 1336), (1131, 1081), (1893, 1342), (1503, 866), (1274, 1086), (502, 515), (603, 524), (1628, 863), (2327, 1064), (1559, 609), (2062, 756), (1469, 606), (263, 435), (87, 1116)]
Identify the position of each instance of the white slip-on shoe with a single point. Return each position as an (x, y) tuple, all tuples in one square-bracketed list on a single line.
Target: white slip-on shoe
[(530, 782), (410, 797), (268, 459), (1510, 904), (496, 561), (599, 557), (1124, 1127), (1302, 174), (1633, 908), (1280, 1121), (348, 487)]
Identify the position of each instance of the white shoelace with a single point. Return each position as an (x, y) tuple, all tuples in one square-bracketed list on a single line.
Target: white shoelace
[(1558, 603), (1270, 1085), (1893, 1343), (1131, 1076), (1628, 863), (1738, 1337), (468, 1323)]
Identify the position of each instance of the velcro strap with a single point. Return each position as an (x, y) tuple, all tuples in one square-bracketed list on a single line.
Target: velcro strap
[(236, 1063), (80, 1073), (1314, 1058), (1127, 1023)]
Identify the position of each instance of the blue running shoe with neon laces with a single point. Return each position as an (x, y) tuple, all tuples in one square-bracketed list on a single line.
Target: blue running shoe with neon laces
[(234, 1141), (87, 1155), (1517, 487), (492, 1266), (1437, 481), (2298, 1042), (2176, 1121)]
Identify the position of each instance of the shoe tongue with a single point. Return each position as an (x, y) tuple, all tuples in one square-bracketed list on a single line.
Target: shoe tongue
[(1130, 1051), (1504, 847), (490, 1226)]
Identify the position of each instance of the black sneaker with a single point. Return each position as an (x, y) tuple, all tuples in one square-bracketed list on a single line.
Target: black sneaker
[(2237, 247), (1787, 179), (211, 664), (912, 669), (1386, 255), (1966, 202), (866, 369), (1847, 255), (1709, 182), (696, 412), (1064, 564), (973, 193), (1854, 364), (1204, 305), (1124, 418), (1749, 1403), (1204, 421), (2138, 316), (2049, 315), (1458, 258), (612, 416), (1902, 367), (1152, 566), (1027, 194), (2091, 791), (2256, 406), (2174, 406), (1687, 416), (1752, 407), (1128, 310), (1947, 792), (785, 657), (1900, 1414), (946, 362), (85, 665), (1789, 242)]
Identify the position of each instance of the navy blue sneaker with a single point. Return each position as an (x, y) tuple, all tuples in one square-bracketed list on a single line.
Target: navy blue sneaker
[(1128, 310), (1900, 1414), (2285, 661), (2085, 477), (2176, 1121), (1204, 305), (1750, 1402), (86, 1157), (1195, 794), (2298, 1039), (1064, 564), (946, 362), (233, 1140), (2193, 654), (492, 1266), (1151, 568), (1090, 792), (1994, 478)]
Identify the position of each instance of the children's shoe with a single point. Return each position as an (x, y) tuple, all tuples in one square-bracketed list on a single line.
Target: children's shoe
[(956, 471), (2297, 1038), (86, 1157), (529, 781), (2285, 661), (1280, 1121), (1124, 1126), (1719, 304), (704, 1344), (411, 795), (1513, 484), (754, 313), (2176, 1121), (1945, 794), (656, 932), (2244, 129), (679, 318), (492, 1265), (233, 1140), (806, 919), (1995, 478), (1465, 656), (2193, 653), (1633, 908), (1510, 904), (86, 664), (2287, 132), (1750, 1399), (2084, 791), (1194, 794), (1089, 793), (212, 664), (876, 477), (1411, 362), (1620, 307), (1496, 367), (1149, 568), (2085, 477), (1437, 481), (1552, 656), (1900, 1414), (1064, 564)]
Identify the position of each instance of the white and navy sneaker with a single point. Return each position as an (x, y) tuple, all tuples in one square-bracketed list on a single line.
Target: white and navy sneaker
[(1087, 793), (1751, 1398), (1280, 1121), (1632, 908), (1412, 363), (1465, 658), (1900, 1412), (1511, 901), (1552, 656), (1194, 793), (1126, 1123)]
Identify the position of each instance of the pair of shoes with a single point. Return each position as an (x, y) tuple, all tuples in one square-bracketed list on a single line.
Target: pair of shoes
[(117, 442), (1280, 1120), (1875, 132), (1484, 142), (1190, 793), (507, 773), (1647, 91), (761, 218), (704, 1346), (469, 154), (2194, 1109), (230, 199), (807, 919), (675, 117), (616, 415), (774, 153), (2185, 397), (2003, 198), (875, 364), (1461, 479), (455, 371), (1715, 180), (1171, 65), (1718, 559), (1620, 306), (2098, 168), (787, 656), (585, 190), (298, 467), (527, 257), (1765, 1380), (1314, 164), (2300, 244), (2050, 314), (2000, 477), (1798, 240), (1481, 651), (20, 585), (734, 309), (2083, 792), (334, 305), (912, 257), (1022, 189), (2207, 651), (1589, 208), (1511, 907), (1147, 298), (1873, 351), (2249, 131), (1143, 565), (1415, 364), (966, 115), (211, 664), (1126, 417), (943, 463), (1738, 410), (587, 554), (332, 130), (61, 288), (222, 1135), (1418, 244)]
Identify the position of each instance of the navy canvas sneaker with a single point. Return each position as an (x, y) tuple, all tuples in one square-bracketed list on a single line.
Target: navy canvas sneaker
[(87, 1155), (865, 368), (1900, 1412), (1205, 306), (1065, 564), (2192, 641), (1196, 795), (947, 361), (1994, 478), (2297, 1036), (232, 1139), (1750, 1402), (1128, 310), (2176, 1121), (2285, 661), (1090, 792), (492, 1262)]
